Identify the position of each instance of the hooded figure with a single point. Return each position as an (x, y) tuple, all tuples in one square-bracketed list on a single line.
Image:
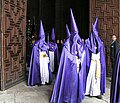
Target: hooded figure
[(53, 53), (96, 66), (39, 71), (69, 86), (115, 84)]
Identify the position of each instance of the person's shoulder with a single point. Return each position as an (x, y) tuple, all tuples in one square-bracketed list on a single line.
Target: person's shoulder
[(117, 41)]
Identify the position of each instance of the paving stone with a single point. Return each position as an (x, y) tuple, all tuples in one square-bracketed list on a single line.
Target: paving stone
[(22, 93)]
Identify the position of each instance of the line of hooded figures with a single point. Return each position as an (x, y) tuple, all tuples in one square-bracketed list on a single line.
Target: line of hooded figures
[(81, 68)]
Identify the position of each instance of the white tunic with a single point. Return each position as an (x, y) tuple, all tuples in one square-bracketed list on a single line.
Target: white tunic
[(80, 61), (93, 78), (44, 60), (51, 54)]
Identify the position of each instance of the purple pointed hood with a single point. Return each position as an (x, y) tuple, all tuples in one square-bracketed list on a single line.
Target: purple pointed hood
[(94, 42), (67, 31), (42, 44), (95, 27), (41, 32), (74, 29), (53, 35), (90, 42), (52, 44), (74, 44)]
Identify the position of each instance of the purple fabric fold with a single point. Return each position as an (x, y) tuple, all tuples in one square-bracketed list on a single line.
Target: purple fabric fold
[(115, 84)]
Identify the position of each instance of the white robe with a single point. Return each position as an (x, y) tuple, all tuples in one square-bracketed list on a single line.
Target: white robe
[(44, 72), (93, 78), (51, 54)]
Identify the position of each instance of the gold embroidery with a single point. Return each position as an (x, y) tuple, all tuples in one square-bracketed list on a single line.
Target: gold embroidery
[(97, 73), (43, 55)]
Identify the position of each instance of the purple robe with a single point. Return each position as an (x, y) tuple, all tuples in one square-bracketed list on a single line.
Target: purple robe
[(70, 85), (92, 42), (54, 48), (34, 77), (115, 84)]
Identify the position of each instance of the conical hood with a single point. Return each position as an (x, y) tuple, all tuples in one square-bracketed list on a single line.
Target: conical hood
[(74, 28), (53, 35), (67, 31), (95, 27), (41, 32)]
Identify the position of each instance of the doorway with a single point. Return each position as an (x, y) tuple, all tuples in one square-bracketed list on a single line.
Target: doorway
[(56, 13), (81, 13), (12, 42)]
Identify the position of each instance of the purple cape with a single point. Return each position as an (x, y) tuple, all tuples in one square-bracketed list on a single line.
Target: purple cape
[(34, 77), (115, 84), (69, 85), (92, 42)]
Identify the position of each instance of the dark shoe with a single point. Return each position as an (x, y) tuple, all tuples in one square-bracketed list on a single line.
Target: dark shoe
[(99, 97), (39, 85), (89, 96)]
